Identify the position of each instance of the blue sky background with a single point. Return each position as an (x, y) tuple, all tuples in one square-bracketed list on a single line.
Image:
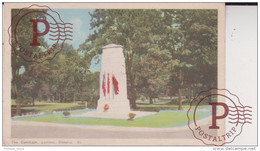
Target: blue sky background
[(80, 19)]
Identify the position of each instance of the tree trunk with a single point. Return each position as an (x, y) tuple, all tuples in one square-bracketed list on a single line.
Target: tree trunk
[(129, 71), (210, 98), (189, 93), (172, 100), (192, 92), (73, 97), (180, 77), (15, 73), (18, 108), (60, 97), (130, 74), (33, 101), (180, 99), (55, 96), (14, 90), (151, 100), (133, 96)]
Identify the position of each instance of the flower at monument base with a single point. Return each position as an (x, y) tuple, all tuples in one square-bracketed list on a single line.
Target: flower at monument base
[(131, 116), (106, 107)]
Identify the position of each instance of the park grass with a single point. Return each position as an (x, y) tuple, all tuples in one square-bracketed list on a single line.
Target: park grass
[(158, 107), (13, 102), (159, 120), (49, 107), (161, 105), (162, 119), (167, 105)]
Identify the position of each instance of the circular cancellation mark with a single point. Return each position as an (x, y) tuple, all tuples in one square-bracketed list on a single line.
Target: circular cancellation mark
[(37, 33), (216, 117)]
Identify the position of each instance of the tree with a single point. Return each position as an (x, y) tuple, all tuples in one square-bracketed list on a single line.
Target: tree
[(195, 47), (135, 30), (153, 73), (22, 37), (166, 51), (69, 73)]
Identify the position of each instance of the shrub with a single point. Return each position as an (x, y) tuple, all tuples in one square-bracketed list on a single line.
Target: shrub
[(131, 116), (66, 113)]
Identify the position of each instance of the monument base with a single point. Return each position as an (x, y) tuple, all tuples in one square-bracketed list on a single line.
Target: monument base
[(113, 106), (116, 109)]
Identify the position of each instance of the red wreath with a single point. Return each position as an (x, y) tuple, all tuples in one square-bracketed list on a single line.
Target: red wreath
[(106, 107)]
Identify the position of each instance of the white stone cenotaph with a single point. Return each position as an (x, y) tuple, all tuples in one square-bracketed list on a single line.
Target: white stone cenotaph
[(113, 86), (113, 102)]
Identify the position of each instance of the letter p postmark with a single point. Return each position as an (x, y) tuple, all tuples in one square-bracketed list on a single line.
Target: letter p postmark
[(37, 33), (35, 30), (224, 117)]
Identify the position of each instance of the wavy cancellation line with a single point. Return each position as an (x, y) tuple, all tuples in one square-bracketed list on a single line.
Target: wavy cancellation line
[(240, 114), (240, 107), (61, 35), (60, 39), (240, 122), (240, 118), (240, 111), (60, 27), (61, 24), (60, 31)]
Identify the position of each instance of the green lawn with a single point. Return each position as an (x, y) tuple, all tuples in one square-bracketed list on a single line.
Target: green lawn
[(160, 120), (162, 105), (158, 107), (48, 107), (13, 102)]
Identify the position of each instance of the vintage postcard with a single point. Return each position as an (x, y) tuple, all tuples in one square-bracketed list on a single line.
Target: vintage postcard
[(117, 74)]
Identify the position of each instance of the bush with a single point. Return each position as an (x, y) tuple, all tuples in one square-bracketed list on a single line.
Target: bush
[(131, 116), (92, 104), (82, 103), (66, 113)]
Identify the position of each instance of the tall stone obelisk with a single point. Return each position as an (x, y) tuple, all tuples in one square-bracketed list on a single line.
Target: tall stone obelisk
[(113, 86)]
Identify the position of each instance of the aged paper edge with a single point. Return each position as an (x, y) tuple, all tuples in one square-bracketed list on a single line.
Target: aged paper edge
[(7, 140)]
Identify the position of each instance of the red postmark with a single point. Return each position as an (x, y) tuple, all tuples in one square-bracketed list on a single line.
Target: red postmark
[(216, 117), (37, 33)]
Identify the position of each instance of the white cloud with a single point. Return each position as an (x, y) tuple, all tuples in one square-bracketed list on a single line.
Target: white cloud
[(79, 35), (77, 24)]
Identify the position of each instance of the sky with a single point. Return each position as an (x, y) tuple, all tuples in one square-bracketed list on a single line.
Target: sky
[(80, 19)]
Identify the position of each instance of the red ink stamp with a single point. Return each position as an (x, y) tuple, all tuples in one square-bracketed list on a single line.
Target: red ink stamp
[(37, 33), (223, 117)]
